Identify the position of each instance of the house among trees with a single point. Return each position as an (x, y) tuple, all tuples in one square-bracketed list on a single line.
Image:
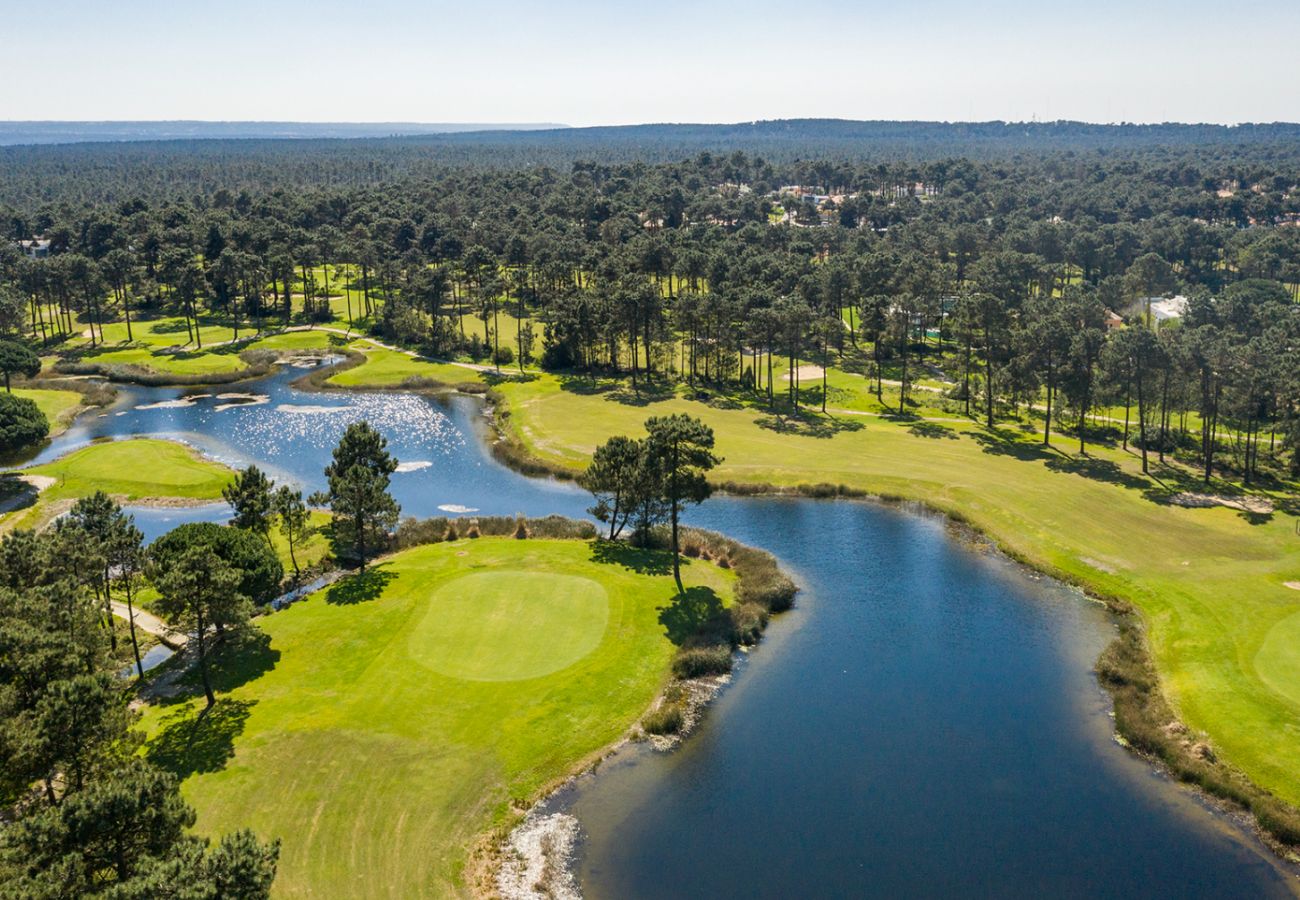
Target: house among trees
[(36, 248), (1158, 310), (1112, 320)]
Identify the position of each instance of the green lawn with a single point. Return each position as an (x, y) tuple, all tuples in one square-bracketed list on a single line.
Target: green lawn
[(312, 551), (60, 407), (385, 367), (137, 469), (1210, 583), (382, 725)]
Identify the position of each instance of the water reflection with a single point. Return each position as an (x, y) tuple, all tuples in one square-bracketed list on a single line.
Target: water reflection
[(924, 723)]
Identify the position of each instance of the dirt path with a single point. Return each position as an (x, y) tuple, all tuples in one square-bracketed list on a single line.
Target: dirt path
[(150, 623)]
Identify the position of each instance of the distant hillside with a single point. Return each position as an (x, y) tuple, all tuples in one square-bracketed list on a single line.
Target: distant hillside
[(785, 139), (106, 169), (52, 132)]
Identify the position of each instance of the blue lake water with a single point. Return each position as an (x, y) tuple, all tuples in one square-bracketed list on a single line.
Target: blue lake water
[(925, 722)]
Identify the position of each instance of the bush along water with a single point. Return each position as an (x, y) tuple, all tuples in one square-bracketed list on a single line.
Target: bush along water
[(705, 656), (1147, 724)]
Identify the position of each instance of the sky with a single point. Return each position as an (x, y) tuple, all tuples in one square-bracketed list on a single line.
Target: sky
[(582, 62)]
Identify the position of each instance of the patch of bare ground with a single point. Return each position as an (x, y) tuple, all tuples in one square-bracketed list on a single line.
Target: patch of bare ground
[(536, 860), (1261, 505)]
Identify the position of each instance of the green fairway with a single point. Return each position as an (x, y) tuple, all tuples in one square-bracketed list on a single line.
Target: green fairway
[(136, 469), (1210, 583), (386, 722)]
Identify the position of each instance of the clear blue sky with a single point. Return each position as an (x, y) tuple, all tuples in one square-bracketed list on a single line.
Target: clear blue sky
[(583, 62)]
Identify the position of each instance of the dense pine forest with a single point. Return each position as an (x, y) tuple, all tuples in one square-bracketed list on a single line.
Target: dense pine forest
[(1030, 274)]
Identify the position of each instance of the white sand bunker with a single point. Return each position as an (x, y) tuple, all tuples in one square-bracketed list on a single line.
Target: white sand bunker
[(1293, 585), (306, 409), (457, 508), (414, 465), (31, 485), (806, 373), (537, 859), (231, 401), (1261, 505)]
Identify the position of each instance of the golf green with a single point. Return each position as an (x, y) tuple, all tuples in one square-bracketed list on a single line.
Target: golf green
[(508, 626)]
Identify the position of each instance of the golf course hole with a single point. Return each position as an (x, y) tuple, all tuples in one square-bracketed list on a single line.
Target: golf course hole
[(509, 626)]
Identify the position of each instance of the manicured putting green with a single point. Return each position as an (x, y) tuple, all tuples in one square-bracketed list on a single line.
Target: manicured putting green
[(1278, 659), (508, 626)]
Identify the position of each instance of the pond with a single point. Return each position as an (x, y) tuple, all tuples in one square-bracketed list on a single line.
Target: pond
[(924, 722)]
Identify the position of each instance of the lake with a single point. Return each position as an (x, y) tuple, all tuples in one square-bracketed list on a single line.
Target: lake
[(925, 722)]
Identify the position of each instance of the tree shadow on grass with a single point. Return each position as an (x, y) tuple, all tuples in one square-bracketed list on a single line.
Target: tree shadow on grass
[(808, 425), (1101, 470), (196, 740), (506, 376), (361, 587), (692, 614), (932, 430), (242, 656), (1002, 442), (641, 560), (617, 390)]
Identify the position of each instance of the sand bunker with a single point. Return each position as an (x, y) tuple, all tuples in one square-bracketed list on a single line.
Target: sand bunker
[(538, 857), (806, 373), (1293, 585), (414, 465), (1261, 505), (25, 495), (457, 508)]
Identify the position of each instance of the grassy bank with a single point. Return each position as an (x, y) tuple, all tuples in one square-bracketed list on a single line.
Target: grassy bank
[(381, 725), (130, 470), (1210, 583)]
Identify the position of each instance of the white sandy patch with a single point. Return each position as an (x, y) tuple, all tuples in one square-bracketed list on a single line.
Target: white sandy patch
[(537, 859), (178, 403), (307, 409), (304, 362), (414, 465), (1293, 585), (806, 373), (34, 484), (233, 401), (457, 508), (1203, 501)]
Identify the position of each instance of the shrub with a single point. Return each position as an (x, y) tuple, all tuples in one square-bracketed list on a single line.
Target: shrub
[(21, 422), (504, 356), (747, 623), (696, 662), (667, 719)]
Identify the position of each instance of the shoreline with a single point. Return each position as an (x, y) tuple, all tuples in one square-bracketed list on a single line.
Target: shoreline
[(1145, 721), (489, 862)]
